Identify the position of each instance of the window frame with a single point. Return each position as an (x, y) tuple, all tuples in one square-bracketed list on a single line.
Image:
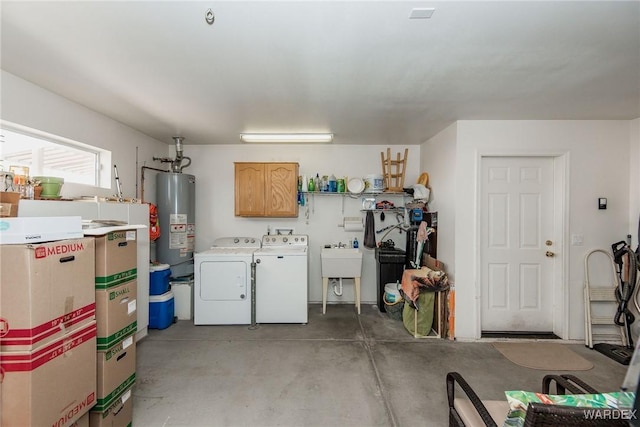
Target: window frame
[(102, 176)]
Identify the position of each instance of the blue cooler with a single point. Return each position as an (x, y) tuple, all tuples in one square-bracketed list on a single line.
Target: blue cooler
[(161, 310), (159, 279)]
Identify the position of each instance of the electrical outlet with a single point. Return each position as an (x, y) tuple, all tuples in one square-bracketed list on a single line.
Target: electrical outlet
[(577, 240)]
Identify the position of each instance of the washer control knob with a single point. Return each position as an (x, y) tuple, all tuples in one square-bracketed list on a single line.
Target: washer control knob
[(246, 240), (236, 240), (242, 296), (296, 239), (285, 239)]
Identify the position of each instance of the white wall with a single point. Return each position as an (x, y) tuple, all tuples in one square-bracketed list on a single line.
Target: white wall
[(214, 170), (26, 104), (438, 159), (598, 153), (634, 180)]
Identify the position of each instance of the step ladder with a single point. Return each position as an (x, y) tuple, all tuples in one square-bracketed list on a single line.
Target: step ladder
[(601, 298), (393, 170)]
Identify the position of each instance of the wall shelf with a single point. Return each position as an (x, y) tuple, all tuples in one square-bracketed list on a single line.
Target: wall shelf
[(354, 196), (396, 209), (375, 195)]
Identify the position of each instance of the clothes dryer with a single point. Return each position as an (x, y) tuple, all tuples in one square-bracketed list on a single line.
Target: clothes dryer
[(222, 282)]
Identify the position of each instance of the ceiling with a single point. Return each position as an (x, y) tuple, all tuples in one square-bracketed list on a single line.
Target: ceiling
[(359, 69)]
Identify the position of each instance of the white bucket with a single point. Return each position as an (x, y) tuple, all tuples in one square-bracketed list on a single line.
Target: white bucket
[(183, 299), (391, 293), (373, 183)]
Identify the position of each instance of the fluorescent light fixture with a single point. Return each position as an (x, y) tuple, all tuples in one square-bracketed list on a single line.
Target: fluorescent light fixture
[(286, 137)]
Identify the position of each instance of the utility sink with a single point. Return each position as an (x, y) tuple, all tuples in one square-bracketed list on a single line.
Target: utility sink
[(341, 262)]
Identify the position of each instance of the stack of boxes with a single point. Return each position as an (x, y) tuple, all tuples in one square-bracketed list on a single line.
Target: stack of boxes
[(115, 294), (47, 326), (61, 301)]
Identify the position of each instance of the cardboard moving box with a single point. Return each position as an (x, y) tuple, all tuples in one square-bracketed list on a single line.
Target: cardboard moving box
[(116, 258), (116, 313), (82, 422), (47, 290), (9, 203), (53, 385), (119, 414), (116, 372)]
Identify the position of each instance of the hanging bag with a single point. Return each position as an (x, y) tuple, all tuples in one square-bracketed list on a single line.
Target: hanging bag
[(154, 225), (419, 322)]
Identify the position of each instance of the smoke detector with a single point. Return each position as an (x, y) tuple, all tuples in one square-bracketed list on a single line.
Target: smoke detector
[(421, 12)]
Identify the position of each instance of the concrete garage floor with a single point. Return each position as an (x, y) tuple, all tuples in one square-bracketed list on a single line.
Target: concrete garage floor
[(338, 370)]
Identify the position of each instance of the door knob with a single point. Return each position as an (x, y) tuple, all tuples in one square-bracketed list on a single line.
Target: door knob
[(549, 254), (548, 243)]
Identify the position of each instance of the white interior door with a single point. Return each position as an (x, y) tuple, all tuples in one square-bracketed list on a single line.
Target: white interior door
[(517, 211)]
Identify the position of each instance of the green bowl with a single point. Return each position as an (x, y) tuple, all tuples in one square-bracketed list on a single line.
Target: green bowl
[(51, 185), (49, 179)]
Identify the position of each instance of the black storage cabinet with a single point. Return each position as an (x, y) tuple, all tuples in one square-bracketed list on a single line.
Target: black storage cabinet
[(389, 267)]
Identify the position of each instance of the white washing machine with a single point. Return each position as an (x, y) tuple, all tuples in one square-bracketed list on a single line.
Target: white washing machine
[(222, 282), (282, 279)]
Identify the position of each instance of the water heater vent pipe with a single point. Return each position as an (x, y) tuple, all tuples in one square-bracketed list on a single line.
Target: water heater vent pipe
[(176, 164)]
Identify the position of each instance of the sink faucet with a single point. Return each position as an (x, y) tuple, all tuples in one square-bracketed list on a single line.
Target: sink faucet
[(341, 245)]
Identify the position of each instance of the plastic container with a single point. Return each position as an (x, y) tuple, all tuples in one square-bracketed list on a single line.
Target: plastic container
[(159, 279), (183, 298), (393, 301), (373, 183), (333, 184), (392, 293), (161, 310)]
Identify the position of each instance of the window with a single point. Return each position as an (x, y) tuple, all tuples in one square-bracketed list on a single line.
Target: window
[(50, 155)]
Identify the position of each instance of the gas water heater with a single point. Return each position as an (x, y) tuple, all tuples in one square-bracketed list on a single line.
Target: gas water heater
[(176, 201)]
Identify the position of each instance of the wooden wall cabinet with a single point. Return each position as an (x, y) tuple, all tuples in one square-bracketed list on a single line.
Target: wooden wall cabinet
[(266, 189)]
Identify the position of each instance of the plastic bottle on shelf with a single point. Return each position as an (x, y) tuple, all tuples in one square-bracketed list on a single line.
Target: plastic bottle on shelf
[(333, 187), (312, 184), (355, 243)]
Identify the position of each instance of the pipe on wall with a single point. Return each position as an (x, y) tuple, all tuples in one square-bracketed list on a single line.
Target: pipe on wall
[(142, 179)]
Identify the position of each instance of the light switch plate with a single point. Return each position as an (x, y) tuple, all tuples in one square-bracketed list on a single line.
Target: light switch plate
[(602, 203)]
